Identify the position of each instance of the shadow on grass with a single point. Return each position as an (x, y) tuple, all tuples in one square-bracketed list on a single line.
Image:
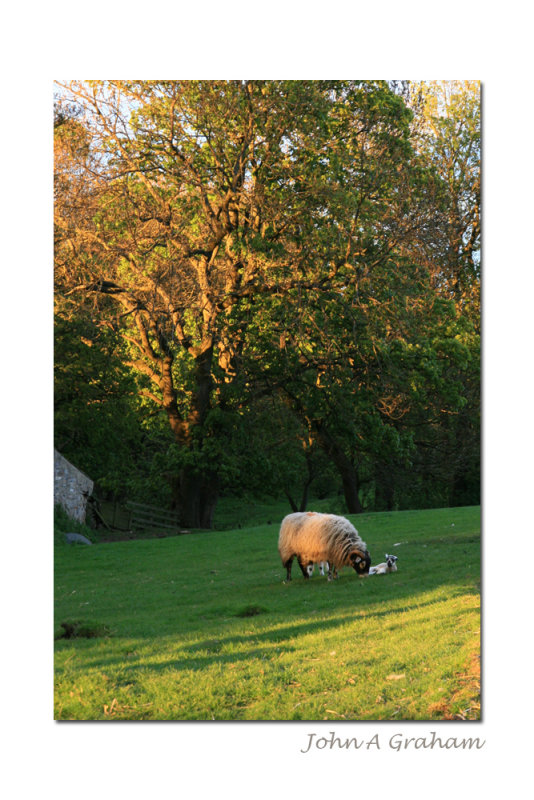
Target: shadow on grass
[(276, 641)]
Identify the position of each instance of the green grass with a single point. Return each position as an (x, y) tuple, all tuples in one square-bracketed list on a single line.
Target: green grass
[(202, 627)]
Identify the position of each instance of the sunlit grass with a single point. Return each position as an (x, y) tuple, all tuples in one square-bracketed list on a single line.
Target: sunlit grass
[(202, 627)]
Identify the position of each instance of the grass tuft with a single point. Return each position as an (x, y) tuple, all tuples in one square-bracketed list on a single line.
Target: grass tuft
[(251, 611), (76, 629)]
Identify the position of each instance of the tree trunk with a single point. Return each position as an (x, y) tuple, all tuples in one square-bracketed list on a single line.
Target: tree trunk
[(195, 497), (305, 488), (291, 501), (347, 471), (304, 498), (349, 477), (384, 489), (194, 493)]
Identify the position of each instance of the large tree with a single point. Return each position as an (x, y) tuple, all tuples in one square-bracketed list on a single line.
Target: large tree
[(224, 221)]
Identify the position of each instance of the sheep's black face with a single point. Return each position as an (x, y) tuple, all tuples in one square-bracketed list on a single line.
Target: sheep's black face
[(361, 562)]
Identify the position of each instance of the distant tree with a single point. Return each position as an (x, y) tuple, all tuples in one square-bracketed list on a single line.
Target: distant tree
[(447, 135)]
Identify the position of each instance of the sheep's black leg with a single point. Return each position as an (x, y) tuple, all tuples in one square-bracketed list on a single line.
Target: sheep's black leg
[(332, 571), (288, 565), (304, 569)]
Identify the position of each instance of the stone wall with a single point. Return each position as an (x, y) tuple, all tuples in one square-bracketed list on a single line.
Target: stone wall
[(71, 487)]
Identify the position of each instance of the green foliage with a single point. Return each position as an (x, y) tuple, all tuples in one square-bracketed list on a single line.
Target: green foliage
[(279, 281), (96, 422)]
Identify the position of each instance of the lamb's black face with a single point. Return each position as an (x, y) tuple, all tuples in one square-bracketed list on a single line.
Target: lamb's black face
[(361, 562)]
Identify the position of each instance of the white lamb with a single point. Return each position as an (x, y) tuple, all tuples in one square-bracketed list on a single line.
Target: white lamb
[(389, 565), (323, 568)]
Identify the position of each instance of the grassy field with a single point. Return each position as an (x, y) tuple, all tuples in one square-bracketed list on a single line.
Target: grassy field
[(202, 627)]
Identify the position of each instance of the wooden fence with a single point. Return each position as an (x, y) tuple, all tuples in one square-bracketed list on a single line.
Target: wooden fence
[(132, 516), (145, 517)]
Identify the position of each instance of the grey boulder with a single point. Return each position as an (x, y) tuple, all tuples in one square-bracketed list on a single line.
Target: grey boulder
[(77, 537)]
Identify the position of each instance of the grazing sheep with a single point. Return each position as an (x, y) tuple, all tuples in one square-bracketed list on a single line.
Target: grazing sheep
[(314, 538), (389, 565)]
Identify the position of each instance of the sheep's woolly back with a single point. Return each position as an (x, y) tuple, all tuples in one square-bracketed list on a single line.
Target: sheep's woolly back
[(318, 537)]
